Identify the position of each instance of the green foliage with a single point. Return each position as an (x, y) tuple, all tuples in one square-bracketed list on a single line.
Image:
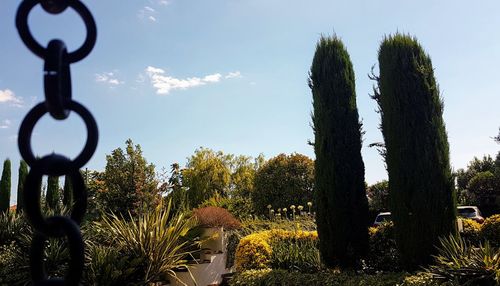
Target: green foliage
[(12, 225), (463, 264), (67, 198), (422, 198), (490, 230), (279, 277), (23, 172), (249, 226), (283, 181), (383, 255), (471, 231), (209, 173), (378, 196), (53, 195), (129, 182), (484, 188), (5, 187), (155, 238), (342, 206), (279, 248)]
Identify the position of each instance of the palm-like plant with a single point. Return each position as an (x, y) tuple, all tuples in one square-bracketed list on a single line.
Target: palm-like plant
[(459, 262), (156, 237)]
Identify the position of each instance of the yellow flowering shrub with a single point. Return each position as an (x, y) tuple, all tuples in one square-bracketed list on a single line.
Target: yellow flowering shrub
[(254, 251)]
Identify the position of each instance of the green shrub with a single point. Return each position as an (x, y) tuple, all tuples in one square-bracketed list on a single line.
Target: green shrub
[(294, 249), (249, 226), (490, 230), (156, 238), (471, 231), (461, 263), (279, 277), (11, 226), (383, 253)]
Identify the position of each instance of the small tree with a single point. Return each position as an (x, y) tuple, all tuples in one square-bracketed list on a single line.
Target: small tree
[(422, 197), (378, 196), (283, 181), (53, 195), (23, 172), (5, 187), (342, 206)]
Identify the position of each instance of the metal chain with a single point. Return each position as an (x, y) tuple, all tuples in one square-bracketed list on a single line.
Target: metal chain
[(58, 103)]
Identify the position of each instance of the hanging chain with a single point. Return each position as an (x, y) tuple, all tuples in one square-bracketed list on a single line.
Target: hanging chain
[(58, 103)]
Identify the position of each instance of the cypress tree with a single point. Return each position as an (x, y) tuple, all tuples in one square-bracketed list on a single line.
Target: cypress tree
[(342, 206), (67, 192), (5, 187), (422, 198), (53, 195), (23, 172)]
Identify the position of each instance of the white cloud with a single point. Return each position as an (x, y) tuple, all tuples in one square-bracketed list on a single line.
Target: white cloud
[(149, 9), (8, 96), (163, 2), (164, 83), (109, 78), (5, 124), (235, 74), (152, 18), (212, 78)]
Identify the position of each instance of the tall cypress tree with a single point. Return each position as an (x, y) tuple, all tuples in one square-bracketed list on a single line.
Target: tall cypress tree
[(342, 206), (53, 196), (67, 192), (422, 198), (5, 187), (23, 172)]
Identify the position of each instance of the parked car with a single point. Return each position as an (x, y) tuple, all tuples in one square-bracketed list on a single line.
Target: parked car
[(382, 217), (471, 212)]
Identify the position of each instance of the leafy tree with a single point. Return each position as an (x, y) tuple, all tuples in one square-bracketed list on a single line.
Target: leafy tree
[(5, 187), (129, 182), (422, 198), (23, 172), (283, 181), (67, 192), (378, 196), (53, 195), (176, 192), (342, 206), (209, 173), (484, 188)]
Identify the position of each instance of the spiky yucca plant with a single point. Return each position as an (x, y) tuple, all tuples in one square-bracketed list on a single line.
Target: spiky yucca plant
[(461, 263), (156, 237)]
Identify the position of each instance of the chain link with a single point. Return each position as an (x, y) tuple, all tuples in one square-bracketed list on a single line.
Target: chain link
[(58, 103)]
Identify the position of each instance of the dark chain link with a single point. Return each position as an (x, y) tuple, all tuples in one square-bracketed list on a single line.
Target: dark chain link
[(58, 103)]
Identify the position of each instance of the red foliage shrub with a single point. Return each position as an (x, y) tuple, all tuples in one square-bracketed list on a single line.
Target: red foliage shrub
[(216, 217)]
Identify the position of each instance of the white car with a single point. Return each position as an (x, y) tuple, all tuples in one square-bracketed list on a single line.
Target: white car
[(382, 217), (471, 212)]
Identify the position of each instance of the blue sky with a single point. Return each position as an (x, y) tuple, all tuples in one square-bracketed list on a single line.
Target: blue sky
[(231, 75)]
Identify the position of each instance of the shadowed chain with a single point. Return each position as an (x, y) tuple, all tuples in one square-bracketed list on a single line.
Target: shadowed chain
[(58, 103)]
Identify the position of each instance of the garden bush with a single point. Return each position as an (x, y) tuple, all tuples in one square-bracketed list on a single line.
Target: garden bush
[(249, 226), (383, 255), (294, 249), (463, 264), (280, 277), (490, 230), (471, 231), (216, 217)]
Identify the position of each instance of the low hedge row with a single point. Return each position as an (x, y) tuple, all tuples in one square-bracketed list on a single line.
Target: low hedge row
[(280, 277)]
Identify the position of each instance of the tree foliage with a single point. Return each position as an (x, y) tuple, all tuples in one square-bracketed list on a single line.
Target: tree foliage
[(342, 206), (283, 181), (420, 180), (67, 198), (378, 196), (5, 187), (53, 196), (128, 182), (209, 173), (23, 173)]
